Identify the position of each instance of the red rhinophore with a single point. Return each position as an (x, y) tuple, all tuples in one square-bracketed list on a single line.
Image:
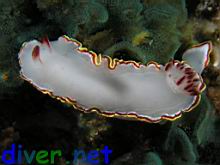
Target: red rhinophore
[(36, 52), (45, 41)]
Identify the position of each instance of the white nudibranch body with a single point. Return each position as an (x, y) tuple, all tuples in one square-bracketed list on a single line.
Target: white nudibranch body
[(112, 87)]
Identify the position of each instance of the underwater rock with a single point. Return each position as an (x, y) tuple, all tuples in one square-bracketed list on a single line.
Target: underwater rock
[(214, 95), (44, 4), (55, 11), (210, 30), (210, 149), (9, 71), (115, 80), (7, 137), (207, 8), (216, 55), (50, 126), (12, 17), (92, 127), (199, 30)]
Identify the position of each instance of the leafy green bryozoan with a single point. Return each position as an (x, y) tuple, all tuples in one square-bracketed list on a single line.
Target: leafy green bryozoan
[(163, 21), (140, 30), (153, 26)]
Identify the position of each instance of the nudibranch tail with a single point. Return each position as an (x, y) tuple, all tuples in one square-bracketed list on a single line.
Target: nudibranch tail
[(198, 56), (112, 87)]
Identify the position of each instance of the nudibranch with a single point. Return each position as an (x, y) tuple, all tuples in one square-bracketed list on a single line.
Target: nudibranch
[(112, 87)]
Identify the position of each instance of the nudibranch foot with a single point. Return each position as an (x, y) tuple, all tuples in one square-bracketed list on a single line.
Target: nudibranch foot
[(112, 87)]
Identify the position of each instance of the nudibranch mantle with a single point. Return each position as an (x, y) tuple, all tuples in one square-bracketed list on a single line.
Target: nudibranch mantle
[(114, 88)]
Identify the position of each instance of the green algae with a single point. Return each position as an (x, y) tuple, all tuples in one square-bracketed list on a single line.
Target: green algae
[(159, 26), (204, 126), (162, 20), (153, 159), (180, 145)]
